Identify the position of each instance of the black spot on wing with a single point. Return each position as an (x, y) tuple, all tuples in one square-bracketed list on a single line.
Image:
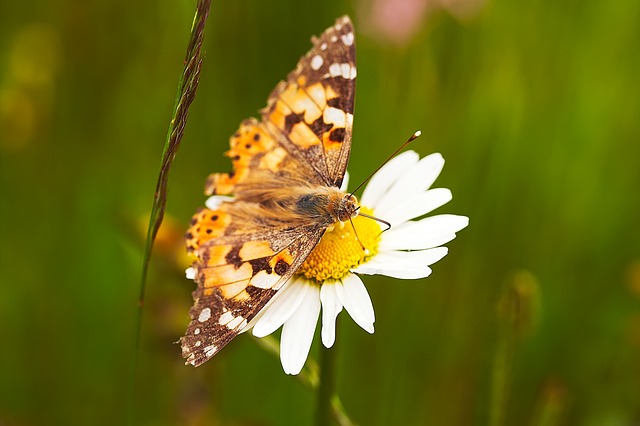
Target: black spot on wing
[(261, 264), (291, 120), (337, 135), (342, 103), (319, 127), (260, 293), (233, 257), (281, 267)]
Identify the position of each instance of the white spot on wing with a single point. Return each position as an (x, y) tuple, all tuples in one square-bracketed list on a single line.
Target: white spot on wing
[(335, 70), (264, 280), (349, 119), (346, 70), (237, 321), (342, 70), (196, 331), (198, 343), (210, 350), (334, 39), (216, 201), (347, 39), (334, 116), (323, 46), (205, 314), (225, 318), (190, 273), (316, 62)]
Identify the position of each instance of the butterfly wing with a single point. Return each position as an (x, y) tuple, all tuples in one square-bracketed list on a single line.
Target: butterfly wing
[(240, 268), (312, 111), (307, 124), (246, 249)]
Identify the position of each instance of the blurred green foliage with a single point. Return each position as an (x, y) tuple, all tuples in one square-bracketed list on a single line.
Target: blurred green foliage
[(532, 319)]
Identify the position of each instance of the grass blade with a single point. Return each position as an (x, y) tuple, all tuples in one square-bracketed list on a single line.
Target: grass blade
[(187, 87)]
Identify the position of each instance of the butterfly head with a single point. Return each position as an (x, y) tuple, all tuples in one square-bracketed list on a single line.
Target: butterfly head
[(348, 208)]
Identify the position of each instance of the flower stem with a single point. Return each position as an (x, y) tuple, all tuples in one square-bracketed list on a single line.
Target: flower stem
[(326, 390), (517, 316), (310, 376)]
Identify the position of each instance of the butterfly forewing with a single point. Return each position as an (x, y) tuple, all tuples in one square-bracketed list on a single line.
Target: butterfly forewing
[(248, 248), (312, 111)]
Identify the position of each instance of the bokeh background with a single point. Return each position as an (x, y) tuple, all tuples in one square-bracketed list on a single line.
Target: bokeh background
[(532, 319)]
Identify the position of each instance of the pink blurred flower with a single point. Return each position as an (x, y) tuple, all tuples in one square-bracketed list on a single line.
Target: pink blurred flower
[(398, 20)]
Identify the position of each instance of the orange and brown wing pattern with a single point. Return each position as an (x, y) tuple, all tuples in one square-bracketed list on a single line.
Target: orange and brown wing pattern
[(254, 151), (311, 113), (240, 268), (248, 248), (307, 123)]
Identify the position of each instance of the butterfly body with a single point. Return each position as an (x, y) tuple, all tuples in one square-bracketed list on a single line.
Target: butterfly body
[(282, 195)]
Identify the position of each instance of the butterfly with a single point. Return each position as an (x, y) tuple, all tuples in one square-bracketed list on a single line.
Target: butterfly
[(283, 195)]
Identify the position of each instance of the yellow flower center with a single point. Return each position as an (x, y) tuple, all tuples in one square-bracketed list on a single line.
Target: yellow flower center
[(342, 249)]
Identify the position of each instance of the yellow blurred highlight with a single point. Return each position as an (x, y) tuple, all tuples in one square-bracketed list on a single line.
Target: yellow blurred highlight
[(34, 58), (633, 277), (18, 117)]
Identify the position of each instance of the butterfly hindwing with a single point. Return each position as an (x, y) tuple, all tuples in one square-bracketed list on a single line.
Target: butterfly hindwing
[(255, 152)]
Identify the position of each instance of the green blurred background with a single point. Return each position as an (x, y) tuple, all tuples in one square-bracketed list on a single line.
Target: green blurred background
[(532, 319)]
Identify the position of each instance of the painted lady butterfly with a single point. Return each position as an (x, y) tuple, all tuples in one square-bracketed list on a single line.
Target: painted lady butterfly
[(287, 171)]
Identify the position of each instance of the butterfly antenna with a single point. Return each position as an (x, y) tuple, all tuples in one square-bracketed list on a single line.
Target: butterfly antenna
[(355, 231), (384, 222), (364, 249), (413, 137)]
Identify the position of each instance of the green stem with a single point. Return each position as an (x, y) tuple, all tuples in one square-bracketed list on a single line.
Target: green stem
[(310, 376), (326, 390)]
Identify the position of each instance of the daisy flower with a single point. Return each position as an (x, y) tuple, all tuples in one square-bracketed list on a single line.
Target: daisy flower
[(329, 280)]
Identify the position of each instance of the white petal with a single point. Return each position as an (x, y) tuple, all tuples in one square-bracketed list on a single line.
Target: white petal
[(403, 264), (419, 205), (386, 176), (429, 170), (284, 304), (429, 256), (214, 201), (345, 182), (393, 271), (354, 297), (331, 307), (429, 232), (414, 180), (297, 332)]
